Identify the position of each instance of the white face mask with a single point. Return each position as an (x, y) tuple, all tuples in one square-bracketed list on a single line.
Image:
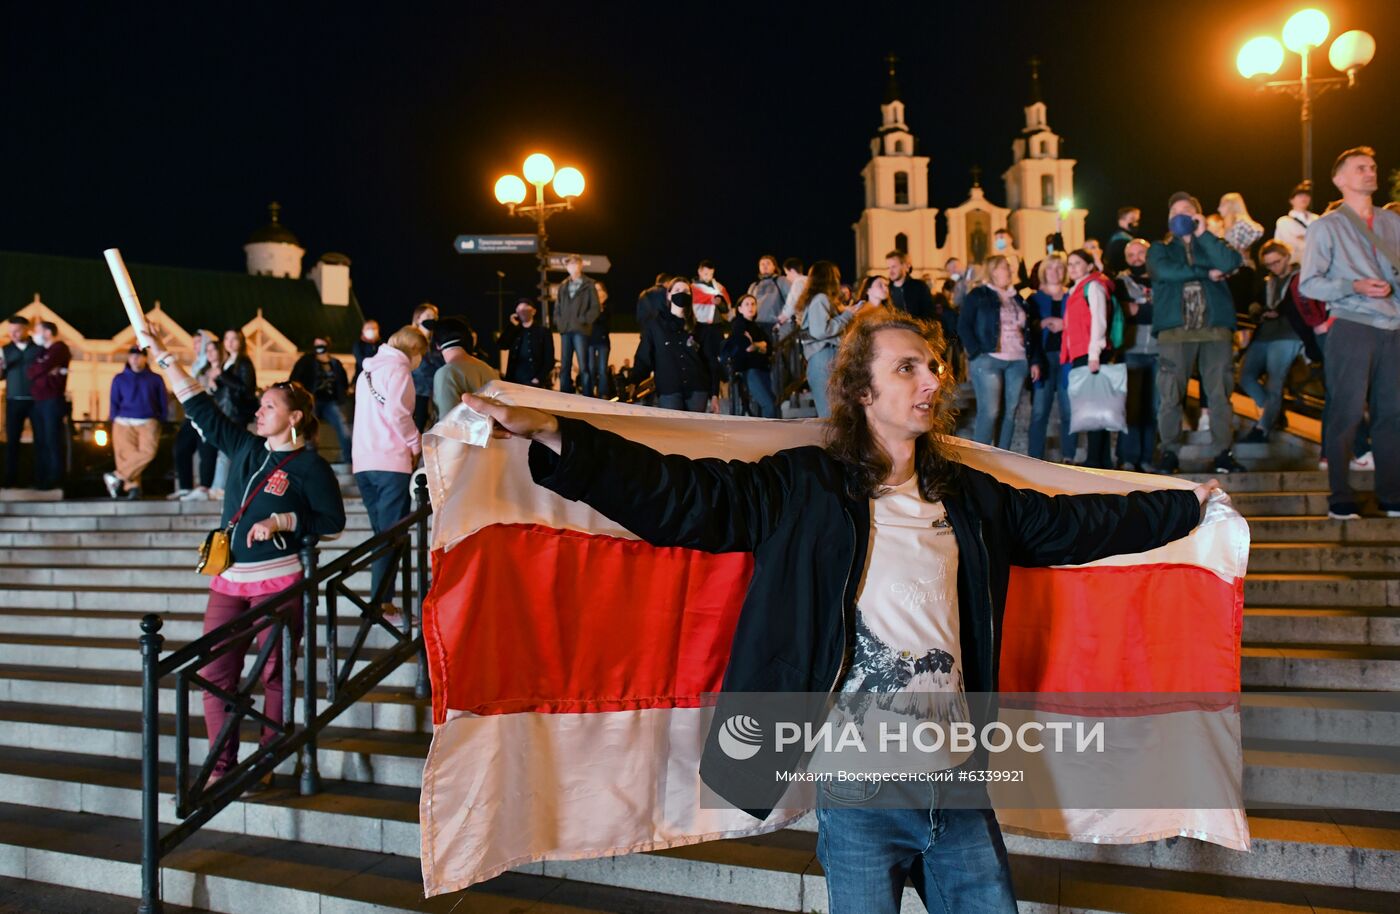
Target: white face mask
[(955, 276)]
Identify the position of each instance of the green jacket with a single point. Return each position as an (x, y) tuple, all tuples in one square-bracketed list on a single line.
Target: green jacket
[(1170, 270)]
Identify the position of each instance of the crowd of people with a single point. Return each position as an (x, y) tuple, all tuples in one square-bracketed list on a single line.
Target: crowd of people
[(1216, 300)]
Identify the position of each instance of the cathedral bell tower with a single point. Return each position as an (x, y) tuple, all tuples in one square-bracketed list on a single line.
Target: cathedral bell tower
[(1040, 184), (896, 214)]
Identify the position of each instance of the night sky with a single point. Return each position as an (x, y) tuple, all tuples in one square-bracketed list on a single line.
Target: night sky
[(703, 130)]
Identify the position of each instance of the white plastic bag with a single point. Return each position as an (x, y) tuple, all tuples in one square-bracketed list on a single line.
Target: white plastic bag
[(1097, 402)]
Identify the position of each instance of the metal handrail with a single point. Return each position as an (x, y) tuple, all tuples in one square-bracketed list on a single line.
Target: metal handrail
[(197, 801)]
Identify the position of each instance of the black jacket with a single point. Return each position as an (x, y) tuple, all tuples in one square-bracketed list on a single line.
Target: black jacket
[(305, 373), (17, 362), (913, 297), (979, 325), (236, 390), (531, 354), (809, 537), (306, 487), (743, 333), (683, 362)]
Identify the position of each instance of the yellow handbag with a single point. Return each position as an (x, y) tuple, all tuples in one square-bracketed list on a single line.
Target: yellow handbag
[(216, 553)]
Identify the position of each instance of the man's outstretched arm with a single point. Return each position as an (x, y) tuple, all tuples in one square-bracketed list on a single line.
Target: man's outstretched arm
[(667, 500)]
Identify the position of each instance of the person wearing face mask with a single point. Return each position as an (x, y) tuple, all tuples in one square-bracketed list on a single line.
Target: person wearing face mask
[(278, 489), (1129, 220), (1005, 245), (387, 443), (674, 349), (1002, 339), (1048, 303), (325, 377), (748, 352), (1084, 340), (1193, 317), (427, 368), (20, 353), (366, 346), (48, 379), (530, 347)]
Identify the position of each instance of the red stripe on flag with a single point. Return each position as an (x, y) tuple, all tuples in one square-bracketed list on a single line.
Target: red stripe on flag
[(1120, 628), (529, 618)]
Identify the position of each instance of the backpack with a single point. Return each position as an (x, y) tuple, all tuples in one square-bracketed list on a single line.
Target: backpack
[(1312, 311)]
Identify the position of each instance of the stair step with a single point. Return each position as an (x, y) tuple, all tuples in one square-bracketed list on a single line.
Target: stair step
[(24, 895), (1336, 558), (1320, 589), (1289, 666), (1309, 480), (1320, 528), (1361, 625)]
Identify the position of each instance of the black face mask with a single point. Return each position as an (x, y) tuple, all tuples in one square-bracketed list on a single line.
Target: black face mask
[(321, 350), (681, 299)]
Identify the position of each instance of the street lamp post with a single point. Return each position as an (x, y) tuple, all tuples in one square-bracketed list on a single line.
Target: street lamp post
[(510, 192), (1304, 31)]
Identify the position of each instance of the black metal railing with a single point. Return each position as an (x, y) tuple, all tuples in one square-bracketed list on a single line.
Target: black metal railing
[(279, 621)]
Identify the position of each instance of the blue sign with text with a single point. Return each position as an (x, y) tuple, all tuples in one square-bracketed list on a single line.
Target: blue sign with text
[(496, 244)]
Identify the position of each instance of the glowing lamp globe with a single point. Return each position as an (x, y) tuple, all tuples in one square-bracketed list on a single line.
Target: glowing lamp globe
[(510, 190), (568, 182), (1066, 204), (1259, 57), (1352, 50), (539, 169), (1305, 29), (100, 437)]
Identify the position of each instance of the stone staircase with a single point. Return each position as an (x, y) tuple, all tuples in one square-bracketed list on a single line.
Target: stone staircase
[(1322, 614)]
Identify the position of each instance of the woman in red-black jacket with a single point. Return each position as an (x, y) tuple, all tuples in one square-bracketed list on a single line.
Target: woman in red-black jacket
[(1085, 337)]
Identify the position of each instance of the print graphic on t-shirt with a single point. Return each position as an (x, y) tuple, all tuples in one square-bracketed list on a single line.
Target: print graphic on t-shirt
[(276, 483), (927, 685)]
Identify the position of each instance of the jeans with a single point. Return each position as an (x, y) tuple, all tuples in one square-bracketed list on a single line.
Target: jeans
[(1362, 367), (818, 375), (1174, 364), (16, 412), (226, 670), (572, 345), (955, 858), (1045, 393), (595, 379), (693, 402), (50, 442), (387, 500), (1274, 357), (760, 384), (1135, 446), (188, 443), (329, 412), (998, 384)]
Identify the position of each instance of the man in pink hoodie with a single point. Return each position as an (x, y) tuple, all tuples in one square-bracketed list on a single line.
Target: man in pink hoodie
[(386, 443)]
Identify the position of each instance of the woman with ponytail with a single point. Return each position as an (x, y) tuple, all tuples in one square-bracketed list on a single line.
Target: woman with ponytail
[(278, 489)]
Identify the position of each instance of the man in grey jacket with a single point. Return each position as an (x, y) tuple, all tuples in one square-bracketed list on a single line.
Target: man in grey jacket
[(574, 313), (1352, 262)]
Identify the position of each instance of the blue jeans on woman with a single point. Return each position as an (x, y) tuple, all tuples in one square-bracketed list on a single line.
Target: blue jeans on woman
[(998, 384), (595, 378), (387, 501), (1273, 357), (955, 858), (760, 385), (1045, 393), (818, 374)]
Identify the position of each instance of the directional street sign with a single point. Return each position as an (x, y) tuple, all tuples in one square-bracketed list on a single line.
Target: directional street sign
[(496, 244), (592, 263)]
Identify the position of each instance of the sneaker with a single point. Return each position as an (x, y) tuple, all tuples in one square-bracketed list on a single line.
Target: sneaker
[(1169, 463), (1256, 436), (132, 494), (216, 494), (1390, 510), (1347, 510), (1204, 424), (1366, 461), (1322, 464), (199, 494), (177, 495), (113, 482), (1225, 462)]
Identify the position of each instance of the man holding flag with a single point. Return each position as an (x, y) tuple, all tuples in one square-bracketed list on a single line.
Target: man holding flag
[(875, 557)]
